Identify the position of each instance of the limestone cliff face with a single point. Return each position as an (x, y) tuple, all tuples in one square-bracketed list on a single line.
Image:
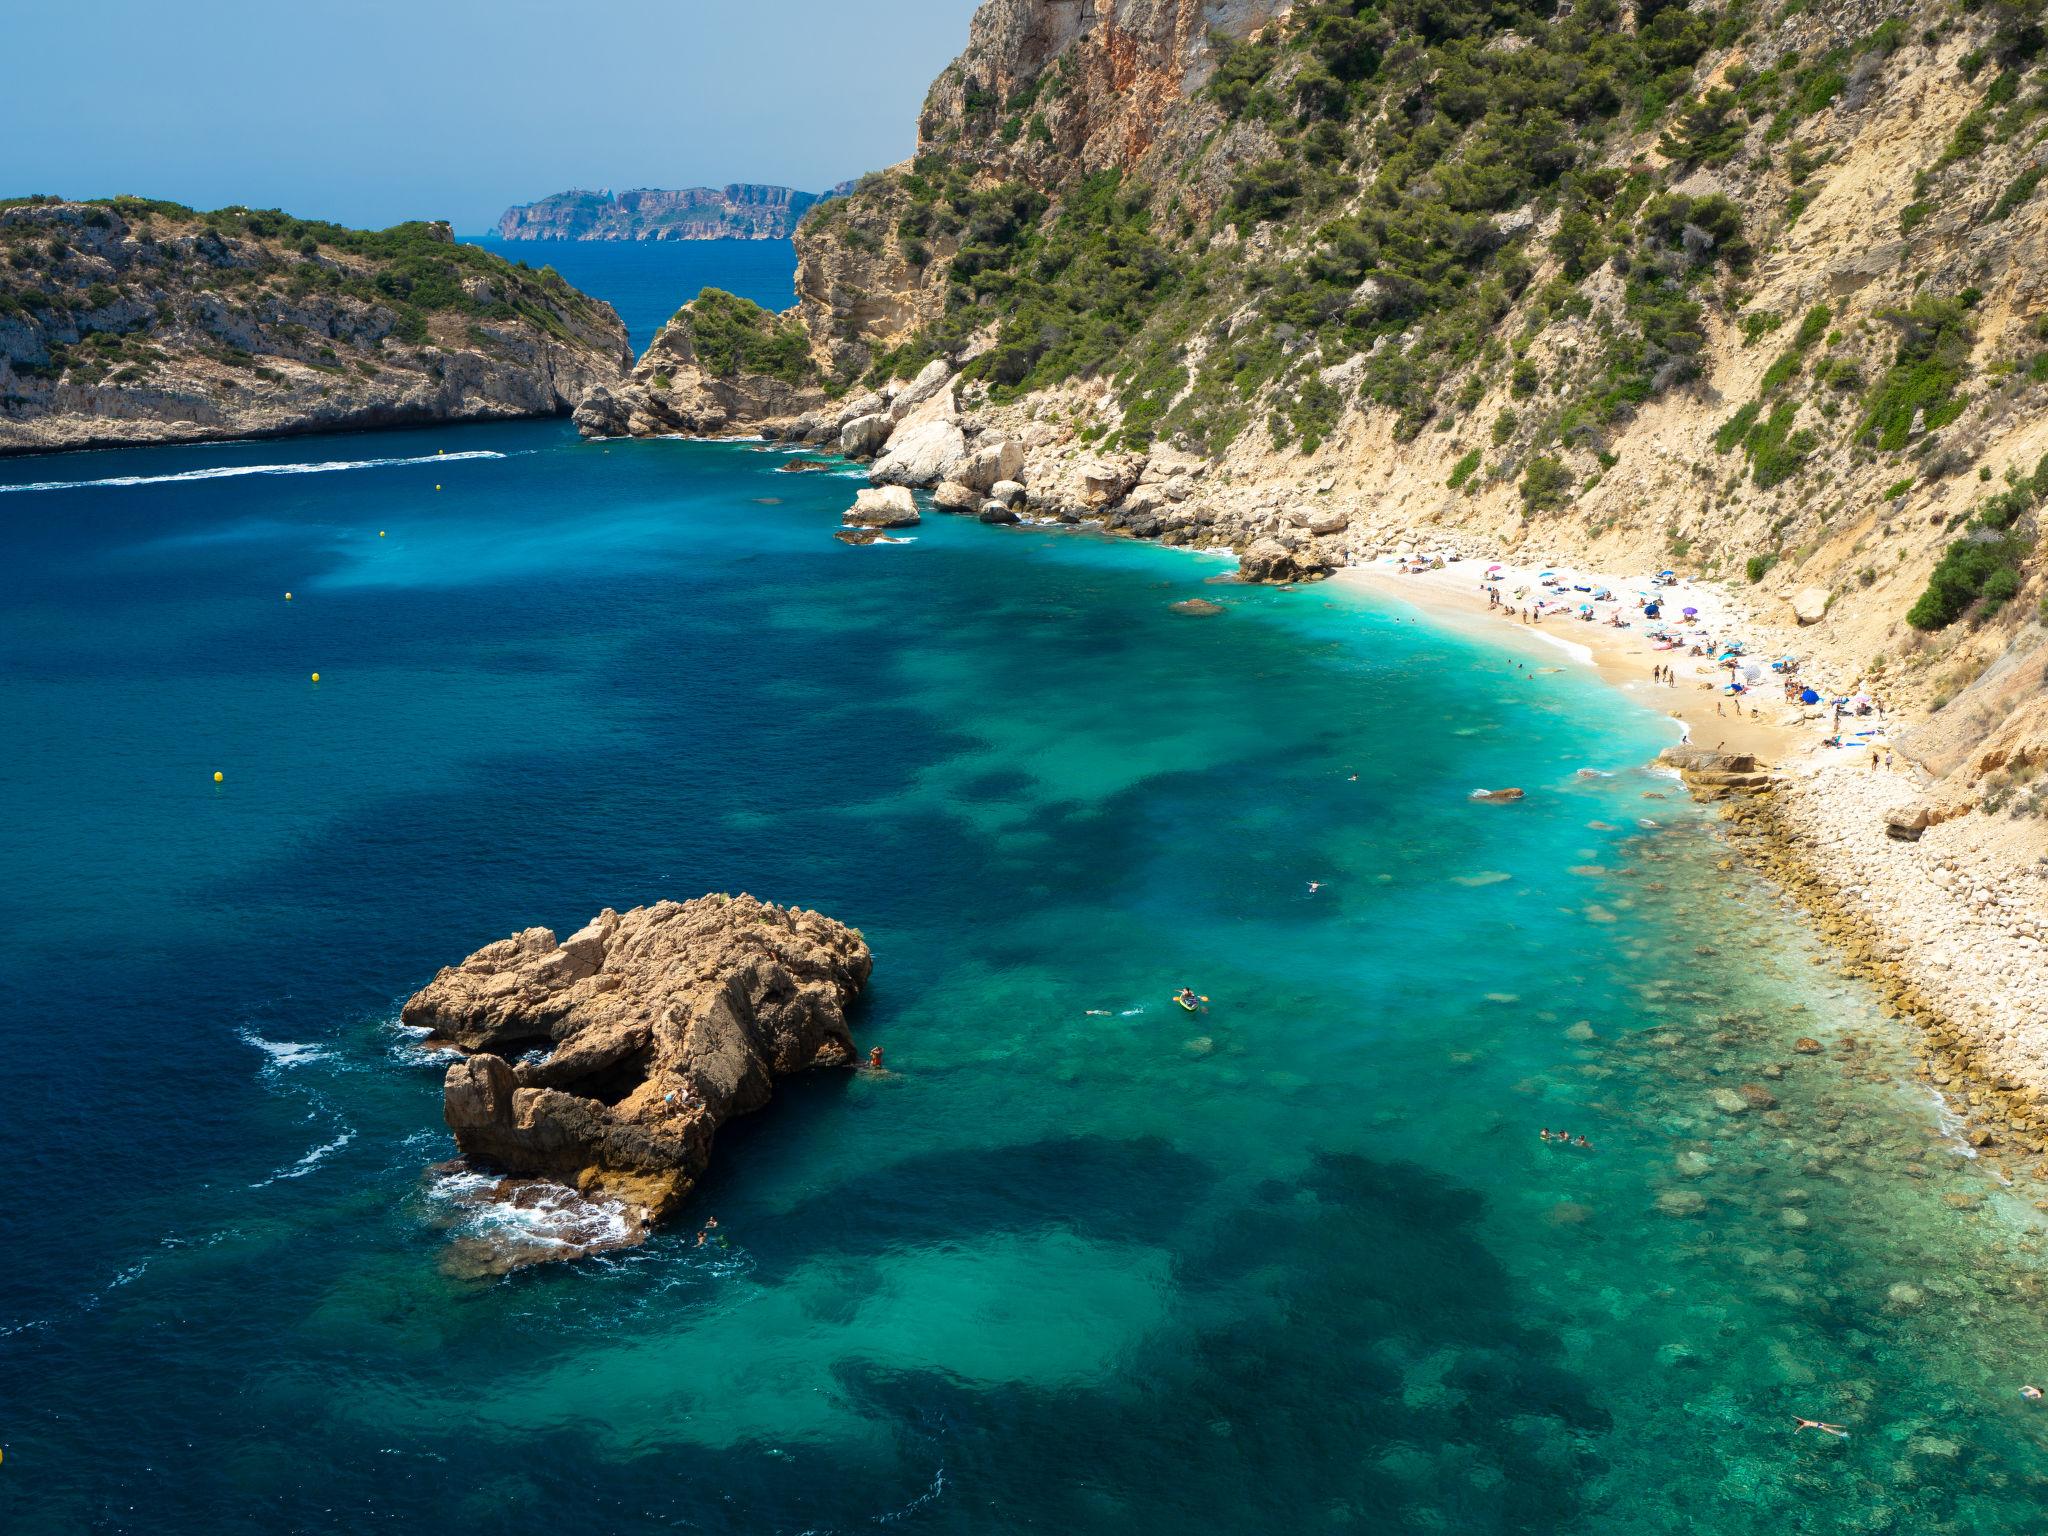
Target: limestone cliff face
[(133, 322), (738, 211), (1048, 87)]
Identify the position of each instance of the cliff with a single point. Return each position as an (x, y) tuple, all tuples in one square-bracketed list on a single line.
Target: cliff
[(128, 321), (737, 212), (1756, 295)]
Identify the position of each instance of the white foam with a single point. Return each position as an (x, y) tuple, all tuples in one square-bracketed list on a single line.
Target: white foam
[(283, 1054), (311, 1160), (562, 1219), (233, 471)]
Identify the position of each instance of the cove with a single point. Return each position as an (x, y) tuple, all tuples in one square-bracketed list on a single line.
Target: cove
[(1080, 1261)]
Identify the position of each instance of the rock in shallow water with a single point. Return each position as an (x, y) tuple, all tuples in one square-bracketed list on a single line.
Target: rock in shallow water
[(658, 1025)]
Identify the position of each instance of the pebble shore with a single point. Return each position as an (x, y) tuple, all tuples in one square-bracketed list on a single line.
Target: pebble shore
[(1950, 936)]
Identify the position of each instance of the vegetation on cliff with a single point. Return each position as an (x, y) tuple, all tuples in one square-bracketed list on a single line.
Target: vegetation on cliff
[(735, 336), (131, 317)]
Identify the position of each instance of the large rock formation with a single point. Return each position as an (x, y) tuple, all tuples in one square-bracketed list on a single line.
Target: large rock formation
[(607, 1062), (739, 211), (128, 321), (722, 363)]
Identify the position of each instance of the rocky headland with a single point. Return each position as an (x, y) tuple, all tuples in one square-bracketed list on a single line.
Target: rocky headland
[(605, 1063), (128, 321), (737, 211)]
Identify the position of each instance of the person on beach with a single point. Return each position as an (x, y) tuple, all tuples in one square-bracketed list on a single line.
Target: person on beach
[(1826, 1429)]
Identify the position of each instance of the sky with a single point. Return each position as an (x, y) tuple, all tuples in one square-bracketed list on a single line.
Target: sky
[(369, 112)]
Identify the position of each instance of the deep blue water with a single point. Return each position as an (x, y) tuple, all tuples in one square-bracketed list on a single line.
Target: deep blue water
[(1081, 1262), (647, 281)]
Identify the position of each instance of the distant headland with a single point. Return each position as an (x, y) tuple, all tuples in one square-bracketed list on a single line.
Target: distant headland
[(741, 211)]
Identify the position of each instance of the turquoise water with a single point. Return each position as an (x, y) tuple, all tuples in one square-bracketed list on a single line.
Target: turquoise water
[(647, 281), (1080, 1262)]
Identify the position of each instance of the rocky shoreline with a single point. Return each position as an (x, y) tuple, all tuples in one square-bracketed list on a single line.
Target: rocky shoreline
[(1947, 939)]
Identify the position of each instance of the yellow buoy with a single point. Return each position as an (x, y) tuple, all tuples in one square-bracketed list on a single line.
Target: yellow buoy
[(218, 777), (380, 533), (287, 597), (437, 487), (316, 677), (440, 450)]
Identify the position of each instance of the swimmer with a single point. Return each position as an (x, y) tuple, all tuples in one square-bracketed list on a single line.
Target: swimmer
[(2031, 1394), (1544, 1134), (875, 1059), (1826, 1429), (1580, 1141), (1314, 886)]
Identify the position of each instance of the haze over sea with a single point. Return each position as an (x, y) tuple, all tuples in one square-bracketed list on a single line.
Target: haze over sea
[(1080, 1261)]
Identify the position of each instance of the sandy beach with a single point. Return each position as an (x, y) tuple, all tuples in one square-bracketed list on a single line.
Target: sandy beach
[(1625, 658)]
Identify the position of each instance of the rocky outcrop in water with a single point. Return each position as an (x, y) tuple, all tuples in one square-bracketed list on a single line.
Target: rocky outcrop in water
[(737, 211), (608, 1061), (129, 321)]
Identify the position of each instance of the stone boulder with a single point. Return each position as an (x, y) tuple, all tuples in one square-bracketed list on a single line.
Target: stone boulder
[(1009, 492), (993, 511), (1105, 482), (918, 453), (1268, 560), (634, 1040), (991, 462), (952, 496), (1810, 604), (887, 506), (1321, 523), (1906, 823), (864, 435), (931, 379)]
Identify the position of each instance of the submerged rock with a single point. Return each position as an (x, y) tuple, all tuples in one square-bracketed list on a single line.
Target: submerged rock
[(1496, 796), (635, 1039), (1195, 607)]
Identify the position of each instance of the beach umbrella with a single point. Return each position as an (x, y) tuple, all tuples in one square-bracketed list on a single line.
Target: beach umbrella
[(1808, 696), (1692, 613)]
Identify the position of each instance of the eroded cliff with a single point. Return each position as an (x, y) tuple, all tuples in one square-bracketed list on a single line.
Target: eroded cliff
[(128, 321)]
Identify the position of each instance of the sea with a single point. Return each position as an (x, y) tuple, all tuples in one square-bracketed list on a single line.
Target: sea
[(1079, 1261), (647, 281)]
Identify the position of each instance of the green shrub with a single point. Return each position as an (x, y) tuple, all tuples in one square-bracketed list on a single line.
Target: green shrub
[(1545, 484), (1736, 427), (1464, 469), (1897, 489), (2022, 188), (1962, 575), (735, 336), (1912, 216), (1758, 567), (1925, 376)]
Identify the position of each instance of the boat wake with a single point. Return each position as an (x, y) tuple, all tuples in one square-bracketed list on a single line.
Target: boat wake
[(233, 471)]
